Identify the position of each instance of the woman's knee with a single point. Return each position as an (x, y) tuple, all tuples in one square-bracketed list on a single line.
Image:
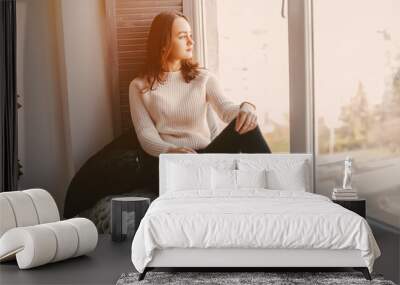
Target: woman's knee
[(255, 131)]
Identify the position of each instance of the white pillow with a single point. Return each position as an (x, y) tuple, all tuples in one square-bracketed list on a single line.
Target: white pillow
[(292, 179), (282, 174), (182, 177), (223, 179), (251, 178)]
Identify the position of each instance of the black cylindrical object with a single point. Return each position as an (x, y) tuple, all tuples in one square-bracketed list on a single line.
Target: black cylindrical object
[(126, 214)]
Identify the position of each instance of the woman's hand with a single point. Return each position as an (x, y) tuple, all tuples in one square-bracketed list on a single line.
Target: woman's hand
[(246, 119), (181, 150)]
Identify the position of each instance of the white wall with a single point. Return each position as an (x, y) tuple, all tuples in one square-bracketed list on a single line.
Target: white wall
[(65, 86)]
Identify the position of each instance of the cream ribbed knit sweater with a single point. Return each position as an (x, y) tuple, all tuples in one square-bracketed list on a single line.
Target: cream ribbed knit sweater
[(175, 113)]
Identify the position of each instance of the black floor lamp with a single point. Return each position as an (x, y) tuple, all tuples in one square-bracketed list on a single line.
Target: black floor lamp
[(8, 97)]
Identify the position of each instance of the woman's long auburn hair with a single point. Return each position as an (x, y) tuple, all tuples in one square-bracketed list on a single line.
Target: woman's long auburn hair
[(160, 38)]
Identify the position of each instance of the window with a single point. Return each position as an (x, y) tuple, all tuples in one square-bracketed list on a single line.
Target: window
[(357, 100), (252, 62)]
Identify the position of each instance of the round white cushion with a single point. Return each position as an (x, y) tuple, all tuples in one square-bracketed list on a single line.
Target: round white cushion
[(7, 218), (87, 235), (22, 207), (45, 206)]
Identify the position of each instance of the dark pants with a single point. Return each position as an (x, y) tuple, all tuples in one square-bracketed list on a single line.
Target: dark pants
[(228, 141)]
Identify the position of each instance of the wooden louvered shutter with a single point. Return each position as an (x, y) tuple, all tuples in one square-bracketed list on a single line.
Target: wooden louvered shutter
[(130, 25)]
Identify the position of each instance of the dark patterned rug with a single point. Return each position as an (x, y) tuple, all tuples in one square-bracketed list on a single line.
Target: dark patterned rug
[(230, 278)]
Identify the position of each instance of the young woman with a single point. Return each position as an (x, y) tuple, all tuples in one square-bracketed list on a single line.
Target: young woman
[(169, 99)]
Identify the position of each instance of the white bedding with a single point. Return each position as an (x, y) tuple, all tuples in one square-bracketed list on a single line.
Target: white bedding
[(250, 218)]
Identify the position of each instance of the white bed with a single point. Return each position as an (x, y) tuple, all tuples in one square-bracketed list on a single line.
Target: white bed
[(201, 222)]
